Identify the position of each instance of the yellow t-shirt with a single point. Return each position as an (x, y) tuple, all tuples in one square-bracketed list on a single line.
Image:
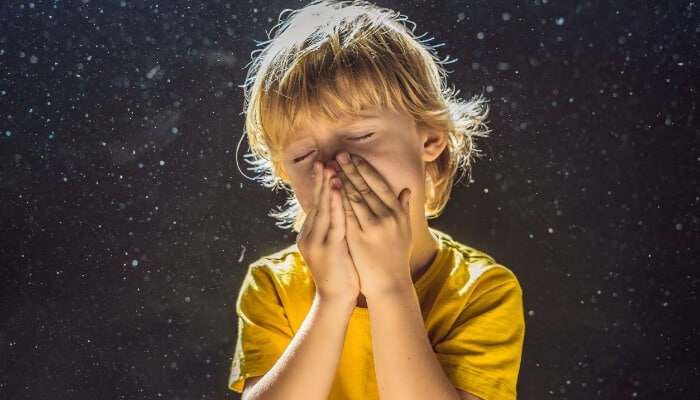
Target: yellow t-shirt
[(472, 308)]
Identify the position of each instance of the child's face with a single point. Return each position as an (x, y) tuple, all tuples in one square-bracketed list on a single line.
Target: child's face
[(387, 140)]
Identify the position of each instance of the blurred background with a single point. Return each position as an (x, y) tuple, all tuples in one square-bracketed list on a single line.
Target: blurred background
[(127, 227)]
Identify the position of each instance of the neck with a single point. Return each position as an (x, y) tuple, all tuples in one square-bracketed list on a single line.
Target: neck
[(424, 250)]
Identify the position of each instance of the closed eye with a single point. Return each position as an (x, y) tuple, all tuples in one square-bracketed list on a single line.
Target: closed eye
[(304, 157), (360, 138)]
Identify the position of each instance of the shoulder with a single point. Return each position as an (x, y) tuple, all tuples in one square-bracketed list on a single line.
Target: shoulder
[(277, 284), (283, 273), (476, 321), (279, 259), (282, 265), (470, 271)]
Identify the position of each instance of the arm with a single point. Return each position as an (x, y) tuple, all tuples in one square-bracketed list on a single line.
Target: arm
[(308, 365), (405, 363), (404, 359), (306, 341)]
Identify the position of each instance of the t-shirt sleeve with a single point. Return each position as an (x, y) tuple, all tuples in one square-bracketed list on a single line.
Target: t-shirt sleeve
[(263, 329), (481, 354)]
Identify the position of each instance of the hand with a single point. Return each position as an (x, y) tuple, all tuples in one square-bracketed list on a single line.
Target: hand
[(378, 226), (322, 242)]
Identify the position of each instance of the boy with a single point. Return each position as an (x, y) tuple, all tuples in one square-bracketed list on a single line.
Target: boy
[(347, 109)]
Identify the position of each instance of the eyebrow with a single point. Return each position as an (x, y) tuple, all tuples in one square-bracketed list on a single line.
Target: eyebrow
[(357, 123), (368, 114), (360, 117), (346, 122)]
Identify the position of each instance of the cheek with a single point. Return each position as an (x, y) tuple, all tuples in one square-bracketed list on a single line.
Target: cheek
[(302, 185), (399, 172)]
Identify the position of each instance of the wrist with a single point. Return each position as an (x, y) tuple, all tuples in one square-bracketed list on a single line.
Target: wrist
[(394, 288), (338, 302)]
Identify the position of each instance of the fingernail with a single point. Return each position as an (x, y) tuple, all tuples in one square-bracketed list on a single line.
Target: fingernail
[(343, 157), (356, 160), (335, 183), (317, 167)]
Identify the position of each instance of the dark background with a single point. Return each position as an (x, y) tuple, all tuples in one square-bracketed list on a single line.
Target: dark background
[(127, 227)]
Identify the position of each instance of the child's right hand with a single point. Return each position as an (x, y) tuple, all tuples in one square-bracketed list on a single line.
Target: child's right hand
[(322, 242)]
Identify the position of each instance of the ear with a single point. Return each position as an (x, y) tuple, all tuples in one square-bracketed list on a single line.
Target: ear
[(433, 143)]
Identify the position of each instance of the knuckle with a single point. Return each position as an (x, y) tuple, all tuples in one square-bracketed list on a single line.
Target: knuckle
[(355, 197)]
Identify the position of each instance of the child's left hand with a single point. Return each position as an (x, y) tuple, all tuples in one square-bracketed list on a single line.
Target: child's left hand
[(378, 227)]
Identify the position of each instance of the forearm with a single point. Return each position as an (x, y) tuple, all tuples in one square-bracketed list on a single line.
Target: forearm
[(405, 363), (308, 366)]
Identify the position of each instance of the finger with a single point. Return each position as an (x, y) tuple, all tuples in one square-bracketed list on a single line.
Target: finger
[(404, 199), (322, 219), (380, 186), (356, 201), (336, 229), (360, 190), (315, 198), (351, 222)]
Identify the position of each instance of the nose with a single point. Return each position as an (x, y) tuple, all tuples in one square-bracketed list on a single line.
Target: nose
[(328, 160), (328, 153), (332, 164)]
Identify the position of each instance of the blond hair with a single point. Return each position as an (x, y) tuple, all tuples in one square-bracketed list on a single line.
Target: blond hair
[(334, 58)]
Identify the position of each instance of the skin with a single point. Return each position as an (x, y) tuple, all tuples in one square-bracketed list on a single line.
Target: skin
[(361, 181)]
